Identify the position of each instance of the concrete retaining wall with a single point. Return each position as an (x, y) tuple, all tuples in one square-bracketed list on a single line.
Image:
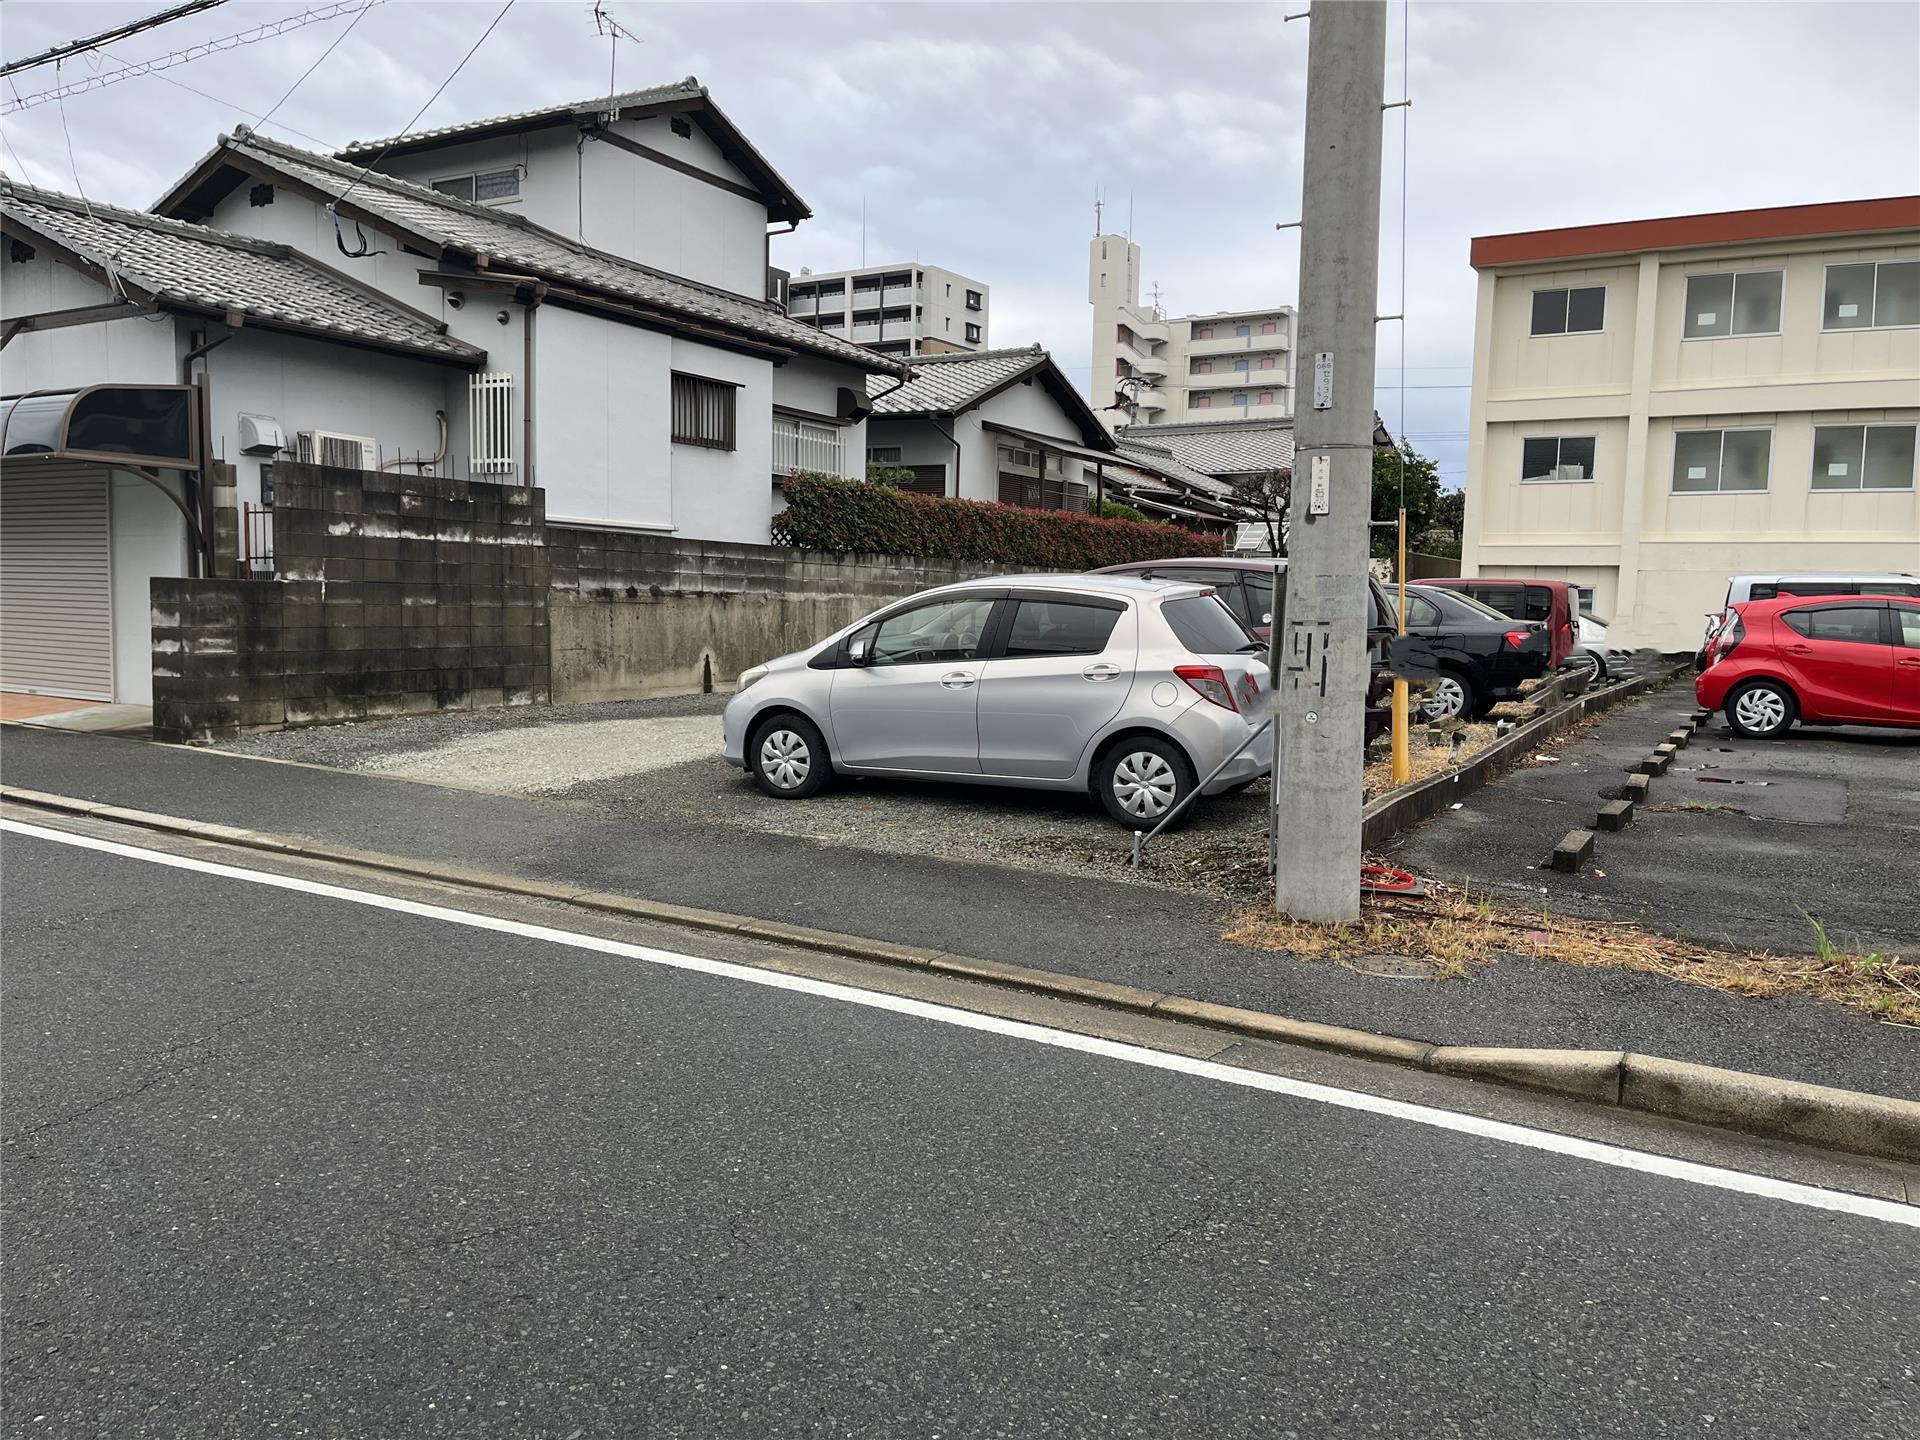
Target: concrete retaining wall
[(394, 595), (638, 615)]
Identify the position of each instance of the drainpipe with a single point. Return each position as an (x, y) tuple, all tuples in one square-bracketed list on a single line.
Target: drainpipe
[(946, 429), (203, 419)]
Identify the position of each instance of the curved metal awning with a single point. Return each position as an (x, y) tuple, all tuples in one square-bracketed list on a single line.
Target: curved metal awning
[(150, 426)]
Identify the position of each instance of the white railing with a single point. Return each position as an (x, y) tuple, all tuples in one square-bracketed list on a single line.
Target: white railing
[(803, 445), (490, 424)]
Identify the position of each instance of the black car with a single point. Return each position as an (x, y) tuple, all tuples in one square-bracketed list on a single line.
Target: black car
[(1481, 655)]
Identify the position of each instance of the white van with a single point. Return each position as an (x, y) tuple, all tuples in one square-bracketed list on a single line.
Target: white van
[(1829, 582)]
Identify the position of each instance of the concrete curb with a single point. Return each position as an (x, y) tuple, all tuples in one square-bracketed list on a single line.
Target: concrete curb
[(1400, 810), (1865, 1124)]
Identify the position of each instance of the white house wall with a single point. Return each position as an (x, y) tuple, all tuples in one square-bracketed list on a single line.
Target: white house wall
[(721, 494), (601, 420), (136, 351), (814, 386), (1025, 406), (148, 538)]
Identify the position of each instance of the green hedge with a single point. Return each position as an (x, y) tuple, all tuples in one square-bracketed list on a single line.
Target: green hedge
[(825, 513)]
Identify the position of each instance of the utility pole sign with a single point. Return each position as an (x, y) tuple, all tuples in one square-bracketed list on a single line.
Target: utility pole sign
[(1322, 672)]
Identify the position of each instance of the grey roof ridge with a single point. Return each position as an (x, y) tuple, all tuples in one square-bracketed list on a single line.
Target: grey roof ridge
[(1002, 354), (414, 190), (688, 85), (144, 219), (1190, 426)]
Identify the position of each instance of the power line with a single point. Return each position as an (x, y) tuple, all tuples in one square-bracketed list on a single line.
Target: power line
[(316, 64), (417, 114), (192, 52), (118, 32), (253, 115)]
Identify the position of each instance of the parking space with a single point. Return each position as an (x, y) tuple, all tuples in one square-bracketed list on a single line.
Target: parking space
[(1743, 842)]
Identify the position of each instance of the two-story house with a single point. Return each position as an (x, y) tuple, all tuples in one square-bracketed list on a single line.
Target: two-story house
[(1661, 404)]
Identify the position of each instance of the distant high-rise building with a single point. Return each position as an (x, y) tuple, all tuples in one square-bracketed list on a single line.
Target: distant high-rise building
[(1152, 369), (895, 309)]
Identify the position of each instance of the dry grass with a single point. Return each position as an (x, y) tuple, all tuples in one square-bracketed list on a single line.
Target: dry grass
[(1426, 760), (1455, 931)]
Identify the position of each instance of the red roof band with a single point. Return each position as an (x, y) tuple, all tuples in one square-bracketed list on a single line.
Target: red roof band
[(1728, 227)]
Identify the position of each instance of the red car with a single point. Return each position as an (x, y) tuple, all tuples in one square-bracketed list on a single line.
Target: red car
[(1834, 660)]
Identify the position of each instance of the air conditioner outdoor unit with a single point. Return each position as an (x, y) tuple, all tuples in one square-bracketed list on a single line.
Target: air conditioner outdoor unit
[(344, 452)]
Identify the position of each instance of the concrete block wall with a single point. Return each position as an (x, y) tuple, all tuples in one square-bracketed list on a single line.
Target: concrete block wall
[(394, 594), (639, 615)]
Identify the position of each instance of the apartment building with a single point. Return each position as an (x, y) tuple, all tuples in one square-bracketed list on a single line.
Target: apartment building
[(895, 309), (1660, 404), (1152, 369)]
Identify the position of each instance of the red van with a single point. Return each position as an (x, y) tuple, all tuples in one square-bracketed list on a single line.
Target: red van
[(1832, 660), (1552, 603)]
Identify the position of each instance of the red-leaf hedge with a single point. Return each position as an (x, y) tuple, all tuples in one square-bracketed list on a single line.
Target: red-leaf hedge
[(826, 513)]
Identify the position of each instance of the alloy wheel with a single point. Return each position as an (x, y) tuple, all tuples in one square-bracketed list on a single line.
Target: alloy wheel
[(1761, 710), (785, 759), (1145, 785), (1588, 661), (1447, 701)]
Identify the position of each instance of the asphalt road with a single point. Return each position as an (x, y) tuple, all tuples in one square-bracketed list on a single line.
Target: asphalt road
[(1099, 929), (278, 1163)]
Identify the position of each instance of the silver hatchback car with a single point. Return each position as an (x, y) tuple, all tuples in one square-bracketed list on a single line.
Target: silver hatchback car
[(1131, 689)]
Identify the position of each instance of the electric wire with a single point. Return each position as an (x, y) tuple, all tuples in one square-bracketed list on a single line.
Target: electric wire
[(253, 115), (357, 15), (58, 53)]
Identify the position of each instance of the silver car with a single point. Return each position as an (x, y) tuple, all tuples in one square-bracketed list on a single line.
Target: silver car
[(1133, 690)]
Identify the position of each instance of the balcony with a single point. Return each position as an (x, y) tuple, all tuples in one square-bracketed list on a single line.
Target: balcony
[(803, 445), (1230, 343), (899, 295), (802, 305), (1223, 375), (1151, 366), (865, 334)]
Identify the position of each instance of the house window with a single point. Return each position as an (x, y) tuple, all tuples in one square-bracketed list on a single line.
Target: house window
[(1863, 457), (1205, 332), (1872, 295), (702, 412), (1241, 398), (802, 444), (1242, 330), (1744, 304), (482, 187), (1203, 402), (1267, 327), (1721, 461), (883, 454), (973, 333), (1547, 458), (974, 300), (1578, 311)]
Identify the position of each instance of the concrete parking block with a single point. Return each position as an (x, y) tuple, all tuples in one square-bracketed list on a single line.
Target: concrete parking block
[(1573, 852), (1614, 815), (1636, 788), (1655, 764), (1679, 738)]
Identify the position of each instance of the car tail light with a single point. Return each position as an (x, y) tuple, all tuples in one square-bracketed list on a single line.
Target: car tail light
[(1249, 689), (1518, 638), (1209, 682), (1731, 632)]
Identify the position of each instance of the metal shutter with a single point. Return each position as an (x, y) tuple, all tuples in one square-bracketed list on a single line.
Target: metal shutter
[(56, 631)]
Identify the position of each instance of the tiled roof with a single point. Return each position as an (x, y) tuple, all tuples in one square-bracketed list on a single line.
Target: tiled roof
[(1165, 462), (948, 384), (171, 260), (513, 243), (688, 88), (1230, 447)]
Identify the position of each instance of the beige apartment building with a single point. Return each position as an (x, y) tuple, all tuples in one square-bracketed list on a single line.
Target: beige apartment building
[(1661, 404), (1153, 369)]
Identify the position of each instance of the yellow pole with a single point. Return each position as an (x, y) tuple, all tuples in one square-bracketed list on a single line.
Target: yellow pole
[(1402, 762)]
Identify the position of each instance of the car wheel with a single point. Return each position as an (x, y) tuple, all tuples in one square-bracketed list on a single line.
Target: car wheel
[(788, 757), (1452, 698), (1761, 709), (1586, 660), (1140, 780)]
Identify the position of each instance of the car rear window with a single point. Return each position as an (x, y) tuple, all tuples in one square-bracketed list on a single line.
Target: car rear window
[(1539, 603), (1205, 626), (1059, 627), (1478, 606)]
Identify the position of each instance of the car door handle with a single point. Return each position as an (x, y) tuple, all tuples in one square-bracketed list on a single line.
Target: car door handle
[(1102, 671), (1908, 662), (958, 679), (1799, 650)]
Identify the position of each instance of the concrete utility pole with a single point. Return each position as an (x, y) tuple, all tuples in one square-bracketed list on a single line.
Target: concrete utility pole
[(1322, 680)]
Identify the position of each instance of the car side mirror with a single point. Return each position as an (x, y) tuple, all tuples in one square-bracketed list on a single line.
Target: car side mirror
[(857, 651)]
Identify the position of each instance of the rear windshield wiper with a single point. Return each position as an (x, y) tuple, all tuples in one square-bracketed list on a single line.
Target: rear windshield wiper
[(1252, 647)]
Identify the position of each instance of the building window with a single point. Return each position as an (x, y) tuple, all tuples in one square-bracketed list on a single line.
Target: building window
[(1203, 367), (973, 333), (1863, 457), (975, 300), (1872, 295), (1241, 398), (1205, 332), (702, 412), (1721, 461), (1203, 402), (485, 186), (1579, 311), (1240, 365), (1547, 458), (1267, 327), (1103, 279), (1242, 330), (1744, 304), (802, 444), (1266, 397), (1123, 334), (883, 454), (1266, 362)]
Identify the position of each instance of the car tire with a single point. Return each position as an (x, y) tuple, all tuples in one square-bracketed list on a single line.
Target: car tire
[(1141, 779), (1586, 660), (1453, 698), (787, 757), (1761, 709)]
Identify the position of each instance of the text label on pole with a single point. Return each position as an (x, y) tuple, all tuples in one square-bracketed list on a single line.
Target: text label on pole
[(1323, 380)]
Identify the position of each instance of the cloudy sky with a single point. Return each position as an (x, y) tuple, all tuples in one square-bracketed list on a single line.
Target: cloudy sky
[(975, 134)]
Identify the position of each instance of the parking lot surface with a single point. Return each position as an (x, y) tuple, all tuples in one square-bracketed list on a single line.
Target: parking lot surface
[(1741, 843)]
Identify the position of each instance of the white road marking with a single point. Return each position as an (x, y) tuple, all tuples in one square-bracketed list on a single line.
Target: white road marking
[(1592, 1150)]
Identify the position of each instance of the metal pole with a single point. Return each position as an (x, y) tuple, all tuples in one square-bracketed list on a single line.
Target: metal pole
[(1322, 679), (1402, 762)]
